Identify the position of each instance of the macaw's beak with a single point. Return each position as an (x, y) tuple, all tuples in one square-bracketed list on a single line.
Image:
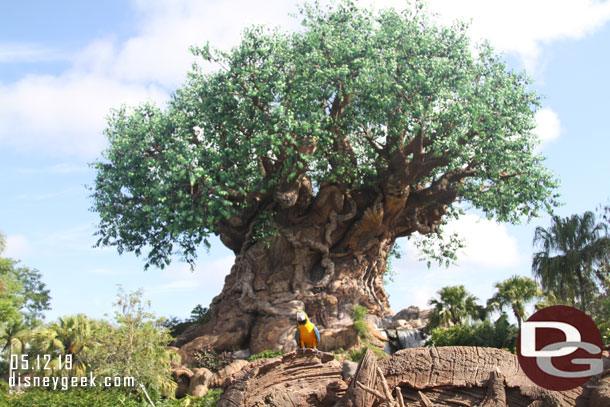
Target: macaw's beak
[(301, 319)]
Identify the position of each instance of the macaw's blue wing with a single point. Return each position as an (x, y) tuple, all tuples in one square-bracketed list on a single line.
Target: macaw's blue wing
[(315, 330), (296, 338)]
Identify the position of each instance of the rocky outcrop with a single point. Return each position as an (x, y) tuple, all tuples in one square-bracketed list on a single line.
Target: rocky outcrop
[(406, 329), (301, 378), (199, 383), (451, 376), (219, 378)]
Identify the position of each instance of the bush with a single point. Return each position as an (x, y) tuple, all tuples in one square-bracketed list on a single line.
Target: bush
[(266, 354), (500, 334), (74, 396), (359, 325), (211, 360), (99, 397), (359, 313)]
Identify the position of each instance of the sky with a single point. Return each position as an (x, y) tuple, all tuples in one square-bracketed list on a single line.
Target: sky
[(65, 64)]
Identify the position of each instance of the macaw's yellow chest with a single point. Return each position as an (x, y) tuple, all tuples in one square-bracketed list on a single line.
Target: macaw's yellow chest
[(307, 335)]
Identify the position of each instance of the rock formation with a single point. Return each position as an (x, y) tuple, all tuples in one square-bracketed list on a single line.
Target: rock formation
[(422, 377)]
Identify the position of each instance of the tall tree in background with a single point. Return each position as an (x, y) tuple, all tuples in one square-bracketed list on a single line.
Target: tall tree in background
[(454, 307), (515, 293), (570, 250), (30, 295), (310, 153), (68, 336)]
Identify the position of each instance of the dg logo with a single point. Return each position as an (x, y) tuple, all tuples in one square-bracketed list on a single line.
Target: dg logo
[(560, 348)]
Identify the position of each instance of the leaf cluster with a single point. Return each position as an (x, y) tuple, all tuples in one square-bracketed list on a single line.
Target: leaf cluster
[(355, 98), (212, 360), (499, 334)]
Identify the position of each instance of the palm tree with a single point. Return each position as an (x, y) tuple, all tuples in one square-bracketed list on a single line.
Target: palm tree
[(14, 335), (569, 251), (515, 293), (69, 336), (454, 306)]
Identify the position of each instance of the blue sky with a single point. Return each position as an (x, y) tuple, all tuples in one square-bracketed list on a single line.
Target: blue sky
[(64, 64)]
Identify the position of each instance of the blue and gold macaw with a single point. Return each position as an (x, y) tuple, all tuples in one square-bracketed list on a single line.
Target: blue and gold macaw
[(307, 335)]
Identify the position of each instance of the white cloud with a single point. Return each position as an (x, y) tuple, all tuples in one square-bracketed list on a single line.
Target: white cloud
[(61, 168), (487, 243), (65, 113), (548, 126), (522, 27), (17, 247), (18, 53), (207, 278)]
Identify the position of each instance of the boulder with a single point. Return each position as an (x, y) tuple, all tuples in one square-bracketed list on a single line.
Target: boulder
[(349, 369), (274, 336), (413, 317), (344, 338), (219, 378), (182, 376), (198, 386), (242, 354)]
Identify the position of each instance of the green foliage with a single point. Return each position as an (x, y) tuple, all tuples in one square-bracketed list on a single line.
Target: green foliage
[(454, 307), (70, 335), (211, 360), (515, 292), (266, 354), (571, 250), (22, 293), (500, 334), (98, 397), (358, 315), (346, 101), (199, 314), (176, 326), (361, 329), (133, 346), (390, 272), (355, 355)]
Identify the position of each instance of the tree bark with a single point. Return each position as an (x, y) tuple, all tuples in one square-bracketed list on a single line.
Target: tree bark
[(328, 253)]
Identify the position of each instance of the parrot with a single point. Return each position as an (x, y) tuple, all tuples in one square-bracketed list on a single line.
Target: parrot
[(307, 335)]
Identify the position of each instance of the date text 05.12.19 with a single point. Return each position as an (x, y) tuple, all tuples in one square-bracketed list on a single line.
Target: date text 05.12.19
[(41, 362)]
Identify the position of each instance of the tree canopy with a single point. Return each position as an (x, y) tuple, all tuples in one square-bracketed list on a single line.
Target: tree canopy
[(388, 101), (572, 252), (22, 293)]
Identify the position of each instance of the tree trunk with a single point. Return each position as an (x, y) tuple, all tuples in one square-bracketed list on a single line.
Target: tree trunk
[(327, 254)]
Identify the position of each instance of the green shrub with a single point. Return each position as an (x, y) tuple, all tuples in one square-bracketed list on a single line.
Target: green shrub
[(359, 325), (266, 354), (211, 360), (500, 334), (359, 313), (73, 397), (361, 329), (356, 355), (100, 397)]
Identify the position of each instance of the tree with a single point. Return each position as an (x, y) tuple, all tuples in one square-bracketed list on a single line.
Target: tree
[(310, 153), (14, 335), (498, 334), (569, 252), (454, 306), (68, 336), (30, 296), (133, 345), (515, 293)]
